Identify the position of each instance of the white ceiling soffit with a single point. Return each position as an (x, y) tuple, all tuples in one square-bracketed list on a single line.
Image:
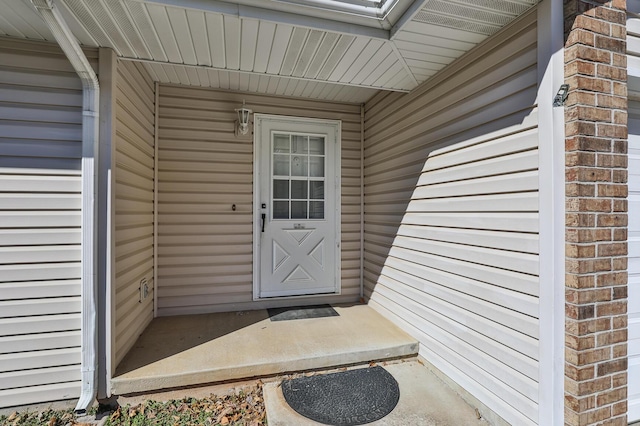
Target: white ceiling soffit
[(297, 47), (443, 30), (255, 83), (176, 35)]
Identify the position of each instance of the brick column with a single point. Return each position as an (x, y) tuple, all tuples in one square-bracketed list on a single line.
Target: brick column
[(596, 213)]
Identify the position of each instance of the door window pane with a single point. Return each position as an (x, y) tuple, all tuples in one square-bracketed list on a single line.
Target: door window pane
[(316, 209), (316, 166), (316, 145), (281, 143), (281, 210), (299, 166), (316, 190), (298, 210), (299, 189), (280, 165), (280, 188), (300, 144)]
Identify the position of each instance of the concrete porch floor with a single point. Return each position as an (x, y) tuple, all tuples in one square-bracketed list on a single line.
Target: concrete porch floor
[(194, 350)]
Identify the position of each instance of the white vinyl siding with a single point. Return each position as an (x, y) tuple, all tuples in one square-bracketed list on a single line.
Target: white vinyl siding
[(634, 260), (633, 41), (40, 212), (204, 246), (451, 219), (134, 186), (633, 64)]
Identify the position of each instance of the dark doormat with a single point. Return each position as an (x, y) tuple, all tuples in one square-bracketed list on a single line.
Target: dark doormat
[(301, 312), (353, 397)]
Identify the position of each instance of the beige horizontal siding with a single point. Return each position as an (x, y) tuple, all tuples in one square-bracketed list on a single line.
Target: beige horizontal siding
[(451, 219), (40, 209), (134, 186), (205, 250)]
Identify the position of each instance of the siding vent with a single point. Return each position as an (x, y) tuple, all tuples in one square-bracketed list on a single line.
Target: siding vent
[(460, 24), (514, 8), (470, 12), (485, 17)]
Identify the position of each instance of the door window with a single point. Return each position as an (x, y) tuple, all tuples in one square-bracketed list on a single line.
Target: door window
[(298, 179)]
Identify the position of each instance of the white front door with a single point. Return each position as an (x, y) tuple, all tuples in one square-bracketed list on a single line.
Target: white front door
[(297, 206)]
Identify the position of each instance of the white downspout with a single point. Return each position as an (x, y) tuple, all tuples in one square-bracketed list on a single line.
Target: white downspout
[(90, 126)]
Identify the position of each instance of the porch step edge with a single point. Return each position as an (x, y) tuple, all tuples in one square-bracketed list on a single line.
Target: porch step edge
[(127, 386)]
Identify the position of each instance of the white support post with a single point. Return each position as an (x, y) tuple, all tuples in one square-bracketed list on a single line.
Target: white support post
[(551, 214), (106, 222)]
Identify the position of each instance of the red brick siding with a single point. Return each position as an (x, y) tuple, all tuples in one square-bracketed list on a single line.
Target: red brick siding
[(596, 213)]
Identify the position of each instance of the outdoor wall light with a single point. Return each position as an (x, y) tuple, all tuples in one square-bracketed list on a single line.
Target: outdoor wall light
[(563, 93), (242, 127)]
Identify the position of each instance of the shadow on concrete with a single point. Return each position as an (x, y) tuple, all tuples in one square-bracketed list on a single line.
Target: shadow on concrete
[(168, 336)]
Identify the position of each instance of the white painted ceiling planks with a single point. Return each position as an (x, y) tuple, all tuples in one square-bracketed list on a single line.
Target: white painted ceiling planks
[(231, 45)]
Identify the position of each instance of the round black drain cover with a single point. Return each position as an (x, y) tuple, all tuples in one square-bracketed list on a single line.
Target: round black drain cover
[(353, 397)]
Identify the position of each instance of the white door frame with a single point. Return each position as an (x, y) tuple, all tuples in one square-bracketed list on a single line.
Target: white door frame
[(258, 151)]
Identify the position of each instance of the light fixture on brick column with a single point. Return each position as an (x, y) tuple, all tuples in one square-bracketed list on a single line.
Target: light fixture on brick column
[(242, 125)]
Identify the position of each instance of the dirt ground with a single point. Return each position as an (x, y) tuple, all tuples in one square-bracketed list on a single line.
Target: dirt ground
[(244, 407)]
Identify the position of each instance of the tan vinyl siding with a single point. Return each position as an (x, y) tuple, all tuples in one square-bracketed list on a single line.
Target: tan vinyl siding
[(451, 219), (205, 248), (134, 177), (40, 209)]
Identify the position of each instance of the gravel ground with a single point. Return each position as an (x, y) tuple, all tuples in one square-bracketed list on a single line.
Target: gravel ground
[(243, 408)]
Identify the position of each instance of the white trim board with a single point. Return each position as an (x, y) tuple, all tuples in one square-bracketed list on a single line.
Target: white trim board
[(552, 199)]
